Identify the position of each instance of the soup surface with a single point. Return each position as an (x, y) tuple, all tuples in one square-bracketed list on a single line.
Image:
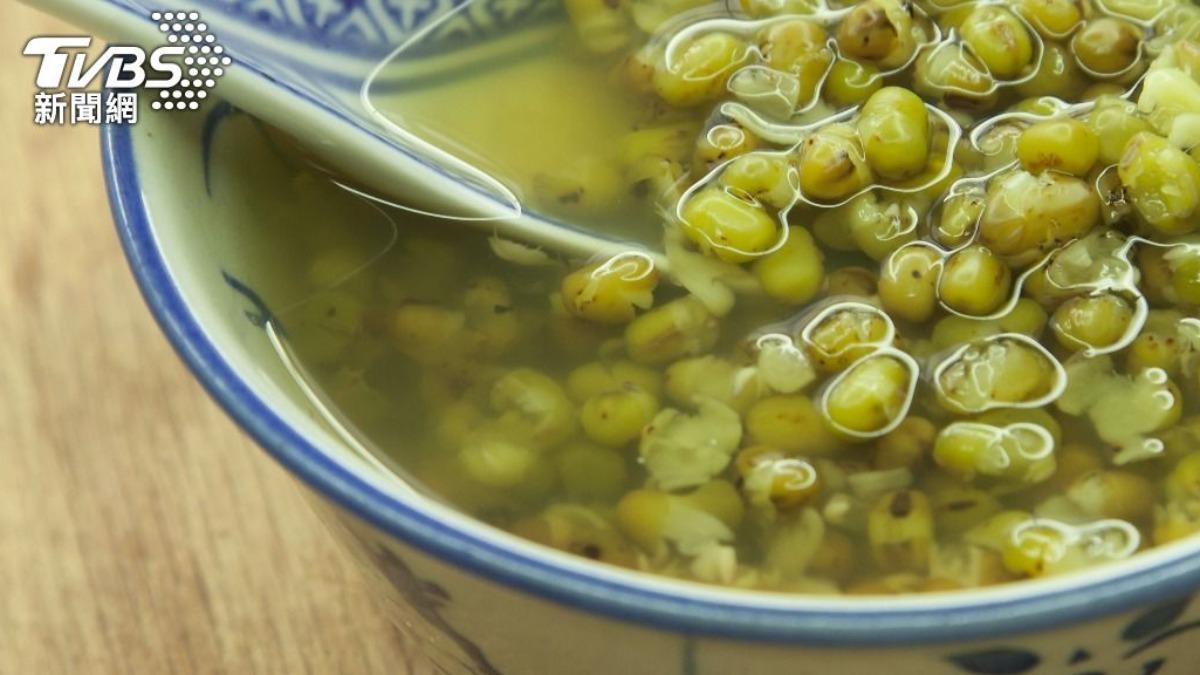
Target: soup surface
[(930, 319)]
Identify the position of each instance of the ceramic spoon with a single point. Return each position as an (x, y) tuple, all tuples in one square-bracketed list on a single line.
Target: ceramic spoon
[(301, 66)]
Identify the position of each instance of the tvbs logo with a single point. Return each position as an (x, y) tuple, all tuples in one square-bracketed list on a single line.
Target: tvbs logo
[(178, 75)]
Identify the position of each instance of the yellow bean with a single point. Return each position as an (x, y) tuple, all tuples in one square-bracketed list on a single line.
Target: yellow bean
[(908, 445), (688, 380), (611, 292), (642, 516), (794, 273), (1175, 521), (1027, 317), (1066, 145), (533, 407), (1052, 18), (1018, 454), (882, 224), (974, 282), (894, 127), (1027, 214), (1114, 121), (718, 498), (999, 39), (698, 71), (1163, 183), (995, 371), (833, 165), (959, 508), (797, 46), (599, 377), (1157, 282), (850, 82), (1154, 350), (603, 26), (1091, 322), (496, 462), (852, 281), (720, 143), (786, 481), (844, 335), (792, 423), (682, 327), (578, 530), (767, 177), (1056, 75), (1183, 482), (1107, 46), (615, 419), (879, 31), (900, 531), (869, 397), (731, 226), (908, 283), (960, 213), (950, 73), (1113, 494), (1185, 278)]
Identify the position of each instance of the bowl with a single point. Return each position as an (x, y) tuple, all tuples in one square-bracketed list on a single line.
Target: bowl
[(206, 254)]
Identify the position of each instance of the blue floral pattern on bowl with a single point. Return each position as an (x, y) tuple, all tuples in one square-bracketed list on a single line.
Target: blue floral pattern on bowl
[(350, 34), (372, 27), (324, 50), (1140, 636)]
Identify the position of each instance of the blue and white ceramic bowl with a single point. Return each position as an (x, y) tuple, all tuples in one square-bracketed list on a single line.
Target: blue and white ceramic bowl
[(475, 599)]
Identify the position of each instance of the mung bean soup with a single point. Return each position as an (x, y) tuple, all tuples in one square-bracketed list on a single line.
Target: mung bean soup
[(930, 321)]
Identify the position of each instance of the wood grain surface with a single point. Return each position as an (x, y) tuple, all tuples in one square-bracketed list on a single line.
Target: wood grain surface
[(140, 530)]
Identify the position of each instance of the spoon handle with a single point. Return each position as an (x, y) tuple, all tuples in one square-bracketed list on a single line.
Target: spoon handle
[(278, 87)]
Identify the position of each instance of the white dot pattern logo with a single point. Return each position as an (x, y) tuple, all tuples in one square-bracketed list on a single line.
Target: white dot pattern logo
[(186, 28)]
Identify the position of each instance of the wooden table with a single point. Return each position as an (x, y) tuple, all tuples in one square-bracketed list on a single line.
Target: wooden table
[(140, 530)]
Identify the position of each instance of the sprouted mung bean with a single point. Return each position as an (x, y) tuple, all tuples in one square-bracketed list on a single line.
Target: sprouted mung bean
[(930, 324)]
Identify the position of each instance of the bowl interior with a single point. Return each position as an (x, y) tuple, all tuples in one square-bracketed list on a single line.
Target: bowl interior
[(197, 200)]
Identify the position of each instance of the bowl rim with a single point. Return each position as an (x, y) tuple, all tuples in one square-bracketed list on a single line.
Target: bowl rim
[(747, 616)]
